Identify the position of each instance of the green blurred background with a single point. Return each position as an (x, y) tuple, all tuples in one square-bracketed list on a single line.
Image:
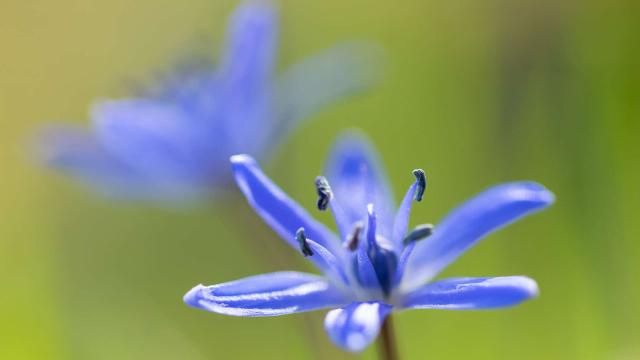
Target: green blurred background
[(475, 92)]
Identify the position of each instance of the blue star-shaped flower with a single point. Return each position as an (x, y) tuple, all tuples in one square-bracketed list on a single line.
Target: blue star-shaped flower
[(375, 265), (173, 143)]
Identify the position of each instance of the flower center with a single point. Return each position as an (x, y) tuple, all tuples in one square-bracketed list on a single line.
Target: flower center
[(374, 262)]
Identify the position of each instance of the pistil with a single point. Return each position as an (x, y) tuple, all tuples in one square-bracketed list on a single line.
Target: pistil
[(384, 260)]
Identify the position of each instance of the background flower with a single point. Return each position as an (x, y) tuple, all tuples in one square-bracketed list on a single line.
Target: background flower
[(172, 143)]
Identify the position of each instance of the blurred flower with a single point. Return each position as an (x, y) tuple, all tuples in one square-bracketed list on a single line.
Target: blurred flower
[(173, 142), (376, 265)]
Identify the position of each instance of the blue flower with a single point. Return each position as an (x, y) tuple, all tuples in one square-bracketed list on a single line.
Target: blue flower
[(173, 142), (375, 265)]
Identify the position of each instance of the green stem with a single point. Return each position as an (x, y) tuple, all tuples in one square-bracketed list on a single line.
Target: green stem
[(387, 349)]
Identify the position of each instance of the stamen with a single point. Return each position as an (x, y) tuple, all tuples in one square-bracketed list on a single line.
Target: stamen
[(422, 183), (302, 241), (324, 192), (418, 233), (354, 238)]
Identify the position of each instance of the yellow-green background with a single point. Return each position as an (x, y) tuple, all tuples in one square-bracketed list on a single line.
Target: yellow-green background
[(475, 92)]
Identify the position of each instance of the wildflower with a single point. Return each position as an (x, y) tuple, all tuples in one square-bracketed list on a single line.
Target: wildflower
[(375, 265), (173, 142)]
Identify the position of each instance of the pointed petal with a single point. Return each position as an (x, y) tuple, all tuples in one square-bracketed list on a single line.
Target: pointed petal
[(283, 214), (271, 294), (470, 222), (154, 138), (251, 45), (77, 152), (472, 293), (365, 271), (246, 71), (355, 326), (405, 255), (357, 179), (329, 264), (322, 79), (340, 218)]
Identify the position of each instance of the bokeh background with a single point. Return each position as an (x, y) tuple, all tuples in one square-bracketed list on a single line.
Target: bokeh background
[(475, 92)]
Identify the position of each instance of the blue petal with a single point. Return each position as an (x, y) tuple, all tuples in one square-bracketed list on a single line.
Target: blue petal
[(76, 152), (364, 269), (271, 294), (405, 255), (322, 79), (156, 139), (340, 219), (246, 71), (357, 179), (472, 293), (355, 326), (331, 266), (283, 214), (464, 226), (251, 45), (401, 221)]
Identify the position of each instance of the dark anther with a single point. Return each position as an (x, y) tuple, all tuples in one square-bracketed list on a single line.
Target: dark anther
[(418, 233), (422, 183), (324, 192), (302, 241), (354, 238)]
